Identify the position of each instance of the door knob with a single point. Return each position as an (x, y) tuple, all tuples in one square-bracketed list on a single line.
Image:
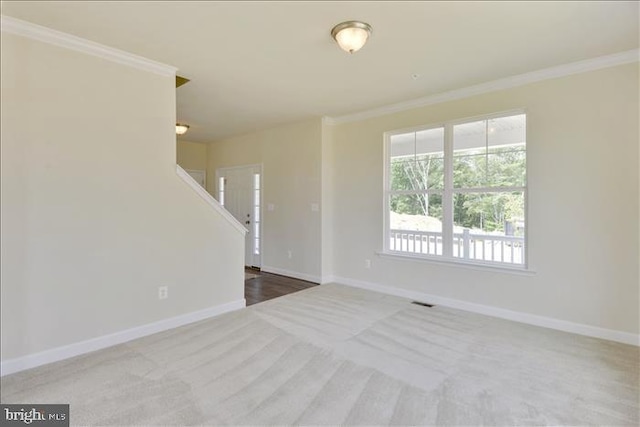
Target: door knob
[(247, 222)]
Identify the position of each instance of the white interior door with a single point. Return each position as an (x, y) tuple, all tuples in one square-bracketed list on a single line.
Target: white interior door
[(239, 191)]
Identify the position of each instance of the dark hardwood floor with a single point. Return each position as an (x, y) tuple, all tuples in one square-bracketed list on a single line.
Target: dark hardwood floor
[(266, 286)]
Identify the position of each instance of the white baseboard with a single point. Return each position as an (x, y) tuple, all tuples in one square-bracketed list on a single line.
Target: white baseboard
[(60, 353), (531, 319), (289, 273), (327, 279)]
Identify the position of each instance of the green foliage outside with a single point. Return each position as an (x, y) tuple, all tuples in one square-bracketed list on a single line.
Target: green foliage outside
[(496, 167)]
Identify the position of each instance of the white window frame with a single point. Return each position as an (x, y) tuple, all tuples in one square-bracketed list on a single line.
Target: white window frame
[(447, 197)]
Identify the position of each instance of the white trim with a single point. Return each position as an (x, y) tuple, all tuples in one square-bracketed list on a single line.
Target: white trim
[(294, 274), (594, 64), (448, 211), (47, 35), (260, 222), (209, 199), (531, 319), (60, 353), (327, 279)]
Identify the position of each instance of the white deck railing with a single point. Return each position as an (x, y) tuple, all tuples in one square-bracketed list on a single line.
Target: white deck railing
[(467, 245), (418, 242)]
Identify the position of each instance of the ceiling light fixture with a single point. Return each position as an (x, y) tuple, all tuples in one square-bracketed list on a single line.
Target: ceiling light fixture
[(181, 129), (351, 35)]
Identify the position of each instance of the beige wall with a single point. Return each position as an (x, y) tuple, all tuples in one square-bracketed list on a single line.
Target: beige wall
[(327, 213), (191, 155), (583, 202), (291, 159), (92, 223)]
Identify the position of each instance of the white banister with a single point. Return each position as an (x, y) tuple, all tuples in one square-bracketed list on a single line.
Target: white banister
[(188, 179)]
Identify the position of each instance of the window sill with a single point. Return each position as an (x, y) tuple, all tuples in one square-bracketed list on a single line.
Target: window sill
[(520, 271)]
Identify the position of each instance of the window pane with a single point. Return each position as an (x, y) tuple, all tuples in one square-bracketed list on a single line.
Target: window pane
[(400, 173), (417, 160), (416, 223), (505, 131), (489, 226), (468, 136), (469, 154), (403, 145), (221, 190), (430, 141), (430, 171), (469, 168), (490, 153), (507, 166)]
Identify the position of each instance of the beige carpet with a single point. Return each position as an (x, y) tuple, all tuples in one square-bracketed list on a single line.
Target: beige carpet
[(338, 355)]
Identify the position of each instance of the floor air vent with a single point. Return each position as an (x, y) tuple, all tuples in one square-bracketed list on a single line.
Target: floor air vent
[(424, 304)]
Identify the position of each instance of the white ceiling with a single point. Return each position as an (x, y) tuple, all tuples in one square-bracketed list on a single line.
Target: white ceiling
[(255, 65)]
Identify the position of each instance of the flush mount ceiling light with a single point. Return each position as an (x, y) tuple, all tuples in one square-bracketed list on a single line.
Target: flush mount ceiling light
[(181, 129), (351, 35)]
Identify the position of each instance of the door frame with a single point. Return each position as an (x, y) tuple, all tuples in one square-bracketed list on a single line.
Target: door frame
[(259, 167)]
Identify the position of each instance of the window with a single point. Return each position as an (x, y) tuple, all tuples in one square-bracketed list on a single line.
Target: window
[(221, 181), (256, 214), (457, 191)]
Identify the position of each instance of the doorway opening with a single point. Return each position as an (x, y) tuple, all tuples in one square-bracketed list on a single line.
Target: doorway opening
[(239, 190)]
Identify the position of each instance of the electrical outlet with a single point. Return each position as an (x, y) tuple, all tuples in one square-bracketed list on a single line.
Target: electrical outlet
[(367, 263), (289, 254), (163, 292)]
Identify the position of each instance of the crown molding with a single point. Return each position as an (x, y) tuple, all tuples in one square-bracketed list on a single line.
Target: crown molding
[(607, 61), (47, 35)]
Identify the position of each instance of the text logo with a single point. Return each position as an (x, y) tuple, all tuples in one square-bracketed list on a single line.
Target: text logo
[(34, 415)]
